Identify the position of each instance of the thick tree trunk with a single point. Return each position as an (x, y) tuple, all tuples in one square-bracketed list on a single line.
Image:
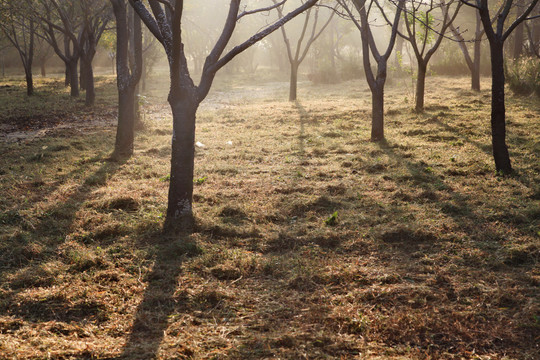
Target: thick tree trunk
[(293, 86), (180, 202), (73, 77), (498, 114), (420, 87), (377, 112), (123, 147), (126, 80)]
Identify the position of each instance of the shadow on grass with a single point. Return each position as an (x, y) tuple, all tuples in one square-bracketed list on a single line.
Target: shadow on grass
[(159, 303), (53, 226)]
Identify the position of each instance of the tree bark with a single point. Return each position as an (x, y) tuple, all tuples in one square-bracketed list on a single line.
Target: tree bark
[(42, 67), (377, 112), (123, 147), (29, 82), (293, 82), (180, 202), (518, 33), (420, 86), (126, 80), (498, 111), (475, 73), (82, 73), (90, 86), (67, 77), (71, 68)]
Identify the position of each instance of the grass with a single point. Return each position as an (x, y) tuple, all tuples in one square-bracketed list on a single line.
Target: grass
[(431, 255)]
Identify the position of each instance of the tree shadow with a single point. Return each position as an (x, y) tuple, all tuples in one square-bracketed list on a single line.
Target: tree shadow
[(27, 263), (159, 301)]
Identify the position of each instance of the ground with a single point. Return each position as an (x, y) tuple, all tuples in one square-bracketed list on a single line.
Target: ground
[(311, 241)]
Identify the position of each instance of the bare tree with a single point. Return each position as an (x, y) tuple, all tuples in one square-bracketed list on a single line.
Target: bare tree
[(376, 81), (533, 36), (496, 37), (44, 52), (20, 30), (425, 33), (128, 31), (164, 20), (519, 31), (473, 62), (151, 54), (95, 16), (300, 54), (62, 22)]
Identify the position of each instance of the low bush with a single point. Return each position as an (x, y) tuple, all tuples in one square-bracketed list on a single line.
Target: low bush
[(523, 76)]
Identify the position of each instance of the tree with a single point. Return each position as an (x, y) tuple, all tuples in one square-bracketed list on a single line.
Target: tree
[(95, 17), (496, 37), (128, 31), (473, 63), (43, 53), (151, 54), (63, 19), (533, 36), (108, 42), (376, 81), (300, 54), (165, 23), (518, 31), (422, 31), (20, 30)]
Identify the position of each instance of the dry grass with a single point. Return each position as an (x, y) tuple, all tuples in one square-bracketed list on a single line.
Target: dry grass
[(431, 254)]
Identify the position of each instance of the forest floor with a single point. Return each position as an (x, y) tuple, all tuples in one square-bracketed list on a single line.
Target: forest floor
[(311, 241)]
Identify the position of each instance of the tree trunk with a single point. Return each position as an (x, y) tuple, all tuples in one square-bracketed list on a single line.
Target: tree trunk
[(82, 73), (88, 76), (126, 81), (180, 202), (90, 87), (377, 112), (139, 125), (73, 77), (123, 147), (475, 73), (29, 82), (67, 77), (294, 81), (518, 32), (498, 115), (143, 78), (42, 68), (518, 41), (420, 87)]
